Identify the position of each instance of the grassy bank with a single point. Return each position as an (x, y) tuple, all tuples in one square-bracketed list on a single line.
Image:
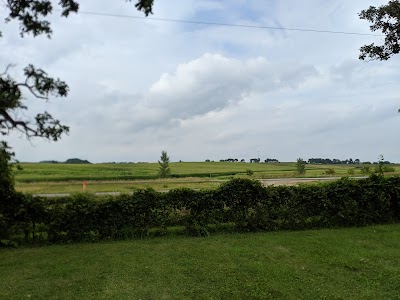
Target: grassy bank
[(355, 263)]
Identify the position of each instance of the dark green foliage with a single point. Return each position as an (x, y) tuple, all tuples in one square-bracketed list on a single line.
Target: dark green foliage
[(351, 172), (165, 170), (388, 169), (244, 202), (385, 19), (9, 199), (301, 166), (366, 170), (330, 172), (240, 204), (6, 176), (249, 172), (77, 161)]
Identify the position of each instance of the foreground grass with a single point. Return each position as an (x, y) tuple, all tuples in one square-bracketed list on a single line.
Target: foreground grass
[(356, 263)]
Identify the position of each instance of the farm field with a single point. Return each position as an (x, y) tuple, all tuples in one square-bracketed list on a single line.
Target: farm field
[(352, 263), (121, 186), (67, 178)]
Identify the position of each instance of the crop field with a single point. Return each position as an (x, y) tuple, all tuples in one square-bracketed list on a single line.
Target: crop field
[(67, 178), (348, 263)]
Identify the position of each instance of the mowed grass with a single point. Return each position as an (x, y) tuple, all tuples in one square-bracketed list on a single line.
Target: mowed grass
[(355, 263)]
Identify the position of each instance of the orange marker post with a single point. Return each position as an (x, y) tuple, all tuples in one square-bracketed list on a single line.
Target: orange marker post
[(84, 185)]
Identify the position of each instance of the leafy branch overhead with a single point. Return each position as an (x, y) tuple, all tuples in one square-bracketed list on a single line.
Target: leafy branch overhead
[(32, 17), (32, 13), (386, 19), (11, 100)]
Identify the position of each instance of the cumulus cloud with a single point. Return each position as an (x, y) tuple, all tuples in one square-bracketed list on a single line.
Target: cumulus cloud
[(213, 82)]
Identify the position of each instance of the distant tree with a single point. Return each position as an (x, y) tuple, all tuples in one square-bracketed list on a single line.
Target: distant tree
[(271, 160), (164, 170), (207, 160), (49, 162), (77, 161), (301, 166)]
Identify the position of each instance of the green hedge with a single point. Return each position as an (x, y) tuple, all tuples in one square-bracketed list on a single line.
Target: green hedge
[(242, 204)]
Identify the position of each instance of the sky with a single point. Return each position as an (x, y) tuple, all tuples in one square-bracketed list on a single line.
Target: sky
[(197, 91)]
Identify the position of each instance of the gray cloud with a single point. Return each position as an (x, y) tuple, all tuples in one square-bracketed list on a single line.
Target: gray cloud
[(140, 86)]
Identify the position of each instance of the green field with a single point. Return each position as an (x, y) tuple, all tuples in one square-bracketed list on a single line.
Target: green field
[(355, 263), (67, 178)]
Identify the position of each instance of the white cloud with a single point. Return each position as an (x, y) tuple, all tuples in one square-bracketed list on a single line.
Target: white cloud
[(198, 91)]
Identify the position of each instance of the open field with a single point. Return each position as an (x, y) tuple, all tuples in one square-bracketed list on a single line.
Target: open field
[(121, 186), (64, 172), (67, 178), (355, 263)]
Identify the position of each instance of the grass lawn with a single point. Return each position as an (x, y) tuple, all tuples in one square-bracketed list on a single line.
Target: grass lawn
[(355, 263)]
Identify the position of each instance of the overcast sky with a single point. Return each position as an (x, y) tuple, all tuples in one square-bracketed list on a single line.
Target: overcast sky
[(201, 92)]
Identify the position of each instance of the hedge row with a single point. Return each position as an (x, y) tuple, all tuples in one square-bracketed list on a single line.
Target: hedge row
[(243, 204)]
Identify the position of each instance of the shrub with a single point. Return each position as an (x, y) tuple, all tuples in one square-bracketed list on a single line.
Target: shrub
[(366, 170), (243, 200), (330, 172), (243, 203), (388, 169), (249, 172)]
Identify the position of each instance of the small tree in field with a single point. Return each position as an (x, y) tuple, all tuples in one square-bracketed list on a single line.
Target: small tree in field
[(330, 171), (301, 166), (350, 171), (164, 171)]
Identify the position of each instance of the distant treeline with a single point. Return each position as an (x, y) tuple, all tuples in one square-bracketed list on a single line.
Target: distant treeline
[(68, 161), (350, 161), (253, 160)]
